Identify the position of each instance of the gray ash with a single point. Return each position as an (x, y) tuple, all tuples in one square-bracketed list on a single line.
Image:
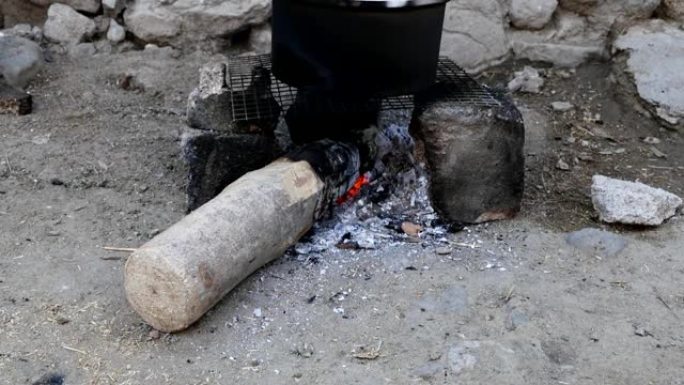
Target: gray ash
[(397, 192)]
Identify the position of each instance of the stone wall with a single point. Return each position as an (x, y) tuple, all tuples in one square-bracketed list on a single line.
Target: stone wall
[(477, 33)]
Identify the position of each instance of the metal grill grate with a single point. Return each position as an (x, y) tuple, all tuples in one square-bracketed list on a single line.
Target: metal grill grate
[(251, 95)]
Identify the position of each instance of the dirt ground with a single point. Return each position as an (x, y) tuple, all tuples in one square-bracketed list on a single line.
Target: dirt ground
[(96, 165)]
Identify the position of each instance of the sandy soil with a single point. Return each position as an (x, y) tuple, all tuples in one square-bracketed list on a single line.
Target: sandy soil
[(96, 165)]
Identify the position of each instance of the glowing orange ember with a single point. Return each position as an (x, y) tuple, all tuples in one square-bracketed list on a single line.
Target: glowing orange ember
[(354, 190)]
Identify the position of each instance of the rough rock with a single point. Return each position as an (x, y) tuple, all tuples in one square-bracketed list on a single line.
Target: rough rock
[(101, 24), (532, 14), (20, 59), (260, 38), (528, 80), (209, 104), (116, 33), (82, 50), (90, 6), (597, 242), (191, 20), (632, 203), (562, 106), (215, 160), (475, 158), (674, 9), (113, 8), (474, 34), (568, 42), (652, 55), (611, 9), (26, 31), (65, 25)]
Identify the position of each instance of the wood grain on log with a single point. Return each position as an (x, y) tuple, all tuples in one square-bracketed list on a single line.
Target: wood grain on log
[(175, 278)]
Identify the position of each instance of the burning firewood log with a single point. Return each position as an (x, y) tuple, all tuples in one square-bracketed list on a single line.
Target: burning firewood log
[(175, 278)]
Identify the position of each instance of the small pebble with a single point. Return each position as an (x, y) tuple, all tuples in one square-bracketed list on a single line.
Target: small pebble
[(443, 251), (562, 106), (562, 165)]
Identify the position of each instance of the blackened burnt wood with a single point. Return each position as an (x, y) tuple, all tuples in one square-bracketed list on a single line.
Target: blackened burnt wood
[(13, 101)]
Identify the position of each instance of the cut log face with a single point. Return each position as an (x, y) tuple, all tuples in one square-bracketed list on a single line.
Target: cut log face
[(179, 275)]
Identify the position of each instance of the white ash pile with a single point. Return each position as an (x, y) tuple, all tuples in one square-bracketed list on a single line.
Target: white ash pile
[(388, 205)]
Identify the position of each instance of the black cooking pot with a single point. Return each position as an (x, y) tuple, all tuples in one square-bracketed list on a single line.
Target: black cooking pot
[(359, 48)]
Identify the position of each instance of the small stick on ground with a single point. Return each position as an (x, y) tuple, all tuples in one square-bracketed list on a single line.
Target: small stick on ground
[(660, 298), (69, 348), (124, 249)]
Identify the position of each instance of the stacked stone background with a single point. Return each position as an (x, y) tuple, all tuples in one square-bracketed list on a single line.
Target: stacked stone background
[(477, 34)]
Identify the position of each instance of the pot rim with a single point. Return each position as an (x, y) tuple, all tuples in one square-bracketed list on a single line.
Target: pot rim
[(375, 4)]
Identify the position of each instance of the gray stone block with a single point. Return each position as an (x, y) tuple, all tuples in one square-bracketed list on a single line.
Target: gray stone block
[(210, 105), (216, 160), (475, 158)]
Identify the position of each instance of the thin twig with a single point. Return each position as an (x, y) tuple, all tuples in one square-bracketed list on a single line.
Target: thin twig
[(660, 298), (69, 348), (125, 249)]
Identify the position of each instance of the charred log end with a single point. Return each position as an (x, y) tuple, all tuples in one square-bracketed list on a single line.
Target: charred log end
[(475, 158), (336, 164)]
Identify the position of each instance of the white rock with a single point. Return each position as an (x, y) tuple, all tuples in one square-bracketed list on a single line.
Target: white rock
[(655, 61), (674, 9), (192, 20), (116, 33), (632, 203), (20, 59), (82, 50), (65, 25), (260, 38), (113, 7), (532, 14), (90, 6), (528, 80), (474, 34), (562, 106)]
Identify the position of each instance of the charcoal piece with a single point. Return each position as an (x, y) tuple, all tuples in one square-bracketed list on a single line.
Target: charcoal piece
[(474, 157), (215, 160), (13, 101)]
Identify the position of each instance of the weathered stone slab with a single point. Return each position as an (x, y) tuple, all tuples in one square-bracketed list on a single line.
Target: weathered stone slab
[(475, 158), (649, 62), (631, 203), (214, 161)]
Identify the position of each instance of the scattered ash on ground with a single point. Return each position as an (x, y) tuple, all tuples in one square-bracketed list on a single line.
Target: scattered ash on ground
[(390, 204)]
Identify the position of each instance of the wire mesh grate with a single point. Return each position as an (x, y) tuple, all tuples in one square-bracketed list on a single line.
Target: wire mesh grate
[(258, 95)]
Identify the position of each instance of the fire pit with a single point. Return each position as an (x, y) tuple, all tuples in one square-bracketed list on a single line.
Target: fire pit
[(456, 144)]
